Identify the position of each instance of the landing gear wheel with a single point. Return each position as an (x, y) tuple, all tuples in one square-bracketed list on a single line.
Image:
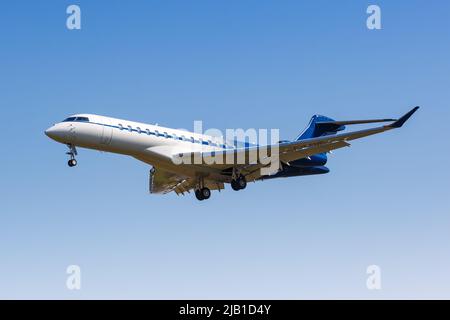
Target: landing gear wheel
[(202, 194), (206, 193), (72, 153), (234, 185), (72, 163), (242, 183), (239, 184), (198, 195)]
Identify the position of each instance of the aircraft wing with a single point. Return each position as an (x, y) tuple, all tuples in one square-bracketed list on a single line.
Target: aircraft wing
[(252, 159)]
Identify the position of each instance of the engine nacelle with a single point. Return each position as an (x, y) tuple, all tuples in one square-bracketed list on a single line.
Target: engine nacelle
[(292, 171)]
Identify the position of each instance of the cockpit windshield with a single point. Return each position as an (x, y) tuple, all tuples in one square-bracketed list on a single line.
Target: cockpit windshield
[(79, 119)]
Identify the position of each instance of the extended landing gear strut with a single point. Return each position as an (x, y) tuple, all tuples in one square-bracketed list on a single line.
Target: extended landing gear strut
[(72, 153), (202, 193), (238, 181)]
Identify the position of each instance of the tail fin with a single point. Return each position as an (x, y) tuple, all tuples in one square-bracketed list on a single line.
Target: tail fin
[(320, 126)]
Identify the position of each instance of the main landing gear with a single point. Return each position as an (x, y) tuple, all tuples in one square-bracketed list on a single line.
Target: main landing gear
[(72, 153), (239, 183), (202, 192)]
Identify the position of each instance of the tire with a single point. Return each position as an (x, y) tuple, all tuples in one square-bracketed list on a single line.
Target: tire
[(235, 185), (72, 163), (206, 193), (239, 184), (199, 195), (242, 183)]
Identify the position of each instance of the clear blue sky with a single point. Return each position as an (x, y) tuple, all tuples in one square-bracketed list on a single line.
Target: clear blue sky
[(232, 64)]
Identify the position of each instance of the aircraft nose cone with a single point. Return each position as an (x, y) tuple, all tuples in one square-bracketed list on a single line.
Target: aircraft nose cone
[(54, 133), (49, 132)]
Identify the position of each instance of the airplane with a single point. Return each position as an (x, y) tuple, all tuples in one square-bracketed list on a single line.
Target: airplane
[(159, 146)]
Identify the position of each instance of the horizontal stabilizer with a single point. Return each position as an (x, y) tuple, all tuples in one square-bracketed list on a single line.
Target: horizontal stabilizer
[(343, 123)]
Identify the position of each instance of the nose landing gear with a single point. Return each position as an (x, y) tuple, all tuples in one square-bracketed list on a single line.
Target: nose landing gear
[(72, 153), (72, 163)]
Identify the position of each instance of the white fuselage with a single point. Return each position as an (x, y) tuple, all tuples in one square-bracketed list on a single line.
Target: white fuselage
[(152, 144)]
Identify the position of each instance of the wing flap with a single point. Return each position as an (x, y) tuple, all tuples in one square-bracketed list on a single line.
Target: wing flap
[(312, 150), (163, 181)]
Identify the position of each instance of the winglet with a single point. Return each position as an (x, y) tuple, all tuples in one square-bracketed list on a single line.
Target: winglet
[(402, 120)]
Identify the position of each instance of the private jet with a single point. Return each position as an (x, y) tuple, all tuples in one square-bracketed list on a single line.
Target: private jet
[(160, 147)]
